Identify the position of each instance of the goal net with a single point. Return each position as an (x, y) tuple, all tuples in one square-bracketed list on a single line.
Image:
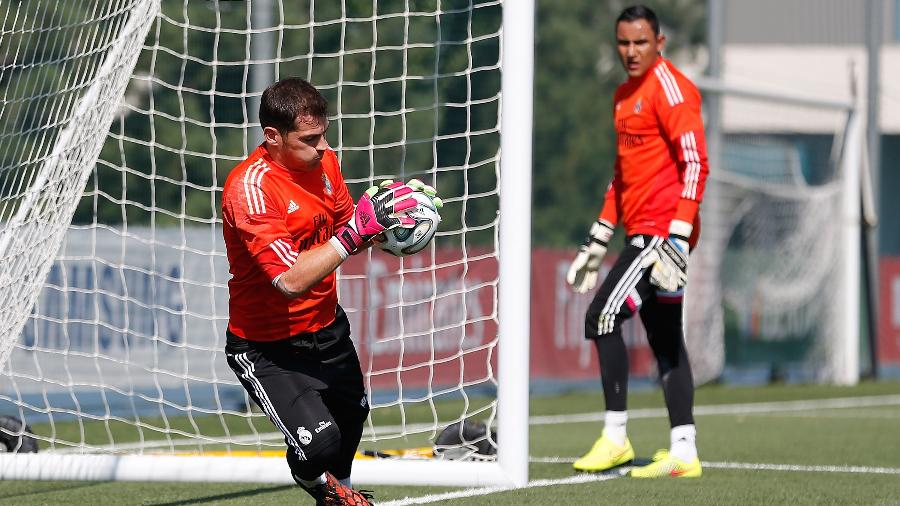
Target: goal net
[(774, 284), (122, 120)]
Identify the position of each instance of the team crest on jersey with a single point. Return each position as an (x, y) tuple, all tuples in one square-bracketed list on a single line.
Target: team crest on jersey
[(327, 183), (304, 435), (637, 106)]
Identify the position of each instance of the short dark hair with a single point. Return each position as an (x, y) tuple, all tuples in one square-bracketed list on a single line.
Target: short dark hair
[(636, 12), (288, 99)]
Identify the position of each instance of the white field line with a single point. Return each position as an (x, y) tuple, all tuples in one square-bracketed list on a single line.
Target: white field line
[(717, 409), (475, 492), (734, 409), (757, 467), (581, 478)]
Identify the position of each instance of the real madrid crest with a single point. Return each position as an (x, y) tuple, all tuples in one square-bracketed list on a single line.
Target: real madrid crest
[(304, 436), (637, 106), (327, 183)]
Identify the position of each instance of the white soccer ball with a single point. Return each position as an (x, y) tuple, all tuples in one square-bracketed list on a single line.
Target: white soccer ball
[(402, 241)]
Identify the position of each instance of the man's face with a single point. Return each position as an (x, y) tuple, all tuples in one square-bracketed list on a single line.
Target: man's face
[(638, 46), (301, 149)]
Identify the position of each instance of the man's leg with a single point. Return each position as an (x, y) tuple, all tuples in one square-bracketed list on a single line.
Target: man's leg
[(618, 298), (345, 395), (293, 404), (662, 316)]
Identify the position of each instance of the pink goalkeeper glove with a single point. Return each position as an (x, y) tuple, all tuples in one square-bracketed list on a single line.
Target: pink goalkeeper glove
[(380, 208)]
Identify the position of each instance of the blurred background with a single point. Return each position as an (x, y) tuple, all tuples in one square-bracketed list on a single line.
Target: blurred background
[(414, 89)]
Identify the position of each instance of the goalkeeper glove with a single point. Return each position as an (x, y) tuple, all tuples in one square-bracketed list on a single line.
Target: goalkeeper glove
[(583, 273), (380, 208), (419, 186), (670, 258)]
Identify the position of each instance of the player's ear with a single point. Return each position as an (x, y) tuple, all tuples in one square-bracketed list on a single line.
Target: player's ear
[(660, 43), (272, 136)]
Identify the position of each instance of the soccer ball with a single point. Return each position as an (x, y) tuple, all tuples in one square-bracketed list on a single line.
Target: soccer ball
[(402, 241)]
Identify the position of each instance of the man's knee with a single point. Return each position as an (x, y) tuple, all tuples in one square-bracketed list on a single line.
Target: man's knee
[(309, 460)]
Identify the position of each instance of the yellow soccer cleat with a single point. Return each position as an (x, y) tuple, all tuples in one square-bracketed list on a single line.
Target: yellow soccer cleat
[(605, 454), (665, 465)]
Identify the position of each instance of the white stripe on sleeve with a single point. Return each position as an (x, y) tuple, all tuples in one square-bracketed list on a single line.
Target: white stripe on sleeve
[(256, 203), (284, 252), (692, 165)]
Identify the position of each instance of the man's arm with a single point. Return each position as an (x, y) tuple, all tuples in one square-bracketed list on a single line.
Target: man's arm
[(379, 209), (682, 124), (311, 267)]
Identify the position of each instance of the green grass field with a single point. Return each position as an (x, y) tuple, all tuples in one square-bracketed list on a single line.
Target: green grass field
[(758, 445)]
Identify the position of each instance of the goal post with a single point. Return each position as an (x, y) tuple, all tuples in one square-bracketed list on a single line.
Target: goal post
[(115, 355), (775, 281)]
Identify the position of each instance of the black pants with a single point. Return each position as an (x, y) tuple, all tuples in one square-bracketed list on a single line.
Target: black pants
[(624, 292), (311, 388)]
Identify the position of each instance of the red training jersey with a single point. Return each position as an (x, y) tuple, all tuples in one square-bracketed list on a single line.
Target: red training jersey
[(269, 215), (661, 164)]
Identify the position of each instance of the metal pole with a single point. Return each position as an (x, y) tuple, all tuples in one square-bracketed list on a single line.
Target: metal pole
[(714, 32), (517, 84), (874, 39)]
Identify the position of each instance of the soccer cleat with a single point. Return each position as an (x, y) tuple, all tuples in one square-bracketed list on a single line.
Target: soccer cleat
[(666, 465), (605, 454), (334, 493)]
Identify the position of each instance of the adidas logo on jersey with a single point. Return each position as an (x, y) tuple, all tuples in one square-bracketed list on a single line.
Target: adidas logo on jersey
[(292, 206)]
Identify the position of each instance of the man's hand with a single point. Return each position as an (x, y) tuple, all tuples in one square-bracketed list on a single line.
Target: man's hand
[(669, 260), (380, 208), (583, 273)]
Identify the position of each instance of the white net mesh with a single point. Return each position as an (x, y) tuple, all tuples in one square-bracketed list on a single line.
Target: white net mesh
[(123, 350), (766, 280)]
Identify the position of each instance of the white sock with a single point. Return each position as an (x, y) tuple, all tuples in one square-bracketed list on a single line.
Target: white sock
[(684, 442), (614, 426), (312, 483), (345, 482)]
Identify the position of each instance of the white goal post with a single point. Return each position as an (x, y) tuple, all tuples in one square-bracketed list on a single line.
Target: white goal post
[(125, 116), (776, 277)]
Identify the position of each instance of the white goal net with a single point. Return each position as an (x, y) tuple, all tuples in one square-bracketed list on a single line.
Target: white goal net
[(775, 279), (121, 120)]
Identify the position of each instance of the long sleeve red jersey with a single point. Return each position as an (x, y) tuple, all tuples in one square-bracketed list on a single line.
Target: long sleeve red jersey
[(269, 215), (661, 165)]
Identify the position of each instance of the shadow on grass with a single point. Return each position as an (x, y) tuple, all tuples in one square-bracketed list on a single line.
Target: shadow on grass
[(48, 487), (233, 495)]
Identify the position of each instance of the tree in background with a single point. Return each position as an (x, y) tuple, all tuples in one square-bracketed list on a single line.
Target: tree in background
[(193, 113)]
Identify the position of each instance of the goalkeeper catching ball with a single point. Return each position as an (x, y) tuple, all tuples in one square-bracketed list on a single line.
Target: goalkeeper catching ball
[(659, 177), (289, 222)]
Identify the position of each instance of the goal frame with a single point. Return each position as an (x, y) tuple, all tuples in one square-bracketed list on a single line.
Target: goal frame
[(510, 469), (844, 358)]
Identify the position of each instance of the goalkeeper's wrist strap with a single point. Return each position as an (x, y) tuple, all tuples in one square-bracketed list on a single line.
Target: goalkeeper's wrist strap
[(345, 241), (680, 232), (601, 232)]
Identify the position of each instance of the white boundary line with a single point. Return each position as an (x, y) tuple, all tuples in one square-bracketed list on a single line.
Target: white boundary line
[(475, 492), (735, 409), (758, 467), (591, 478)]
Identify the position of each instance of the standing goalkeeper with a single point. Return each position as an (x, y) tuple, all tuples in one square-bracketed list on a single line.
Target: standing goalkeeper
[(660, 174), (289, 222)]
